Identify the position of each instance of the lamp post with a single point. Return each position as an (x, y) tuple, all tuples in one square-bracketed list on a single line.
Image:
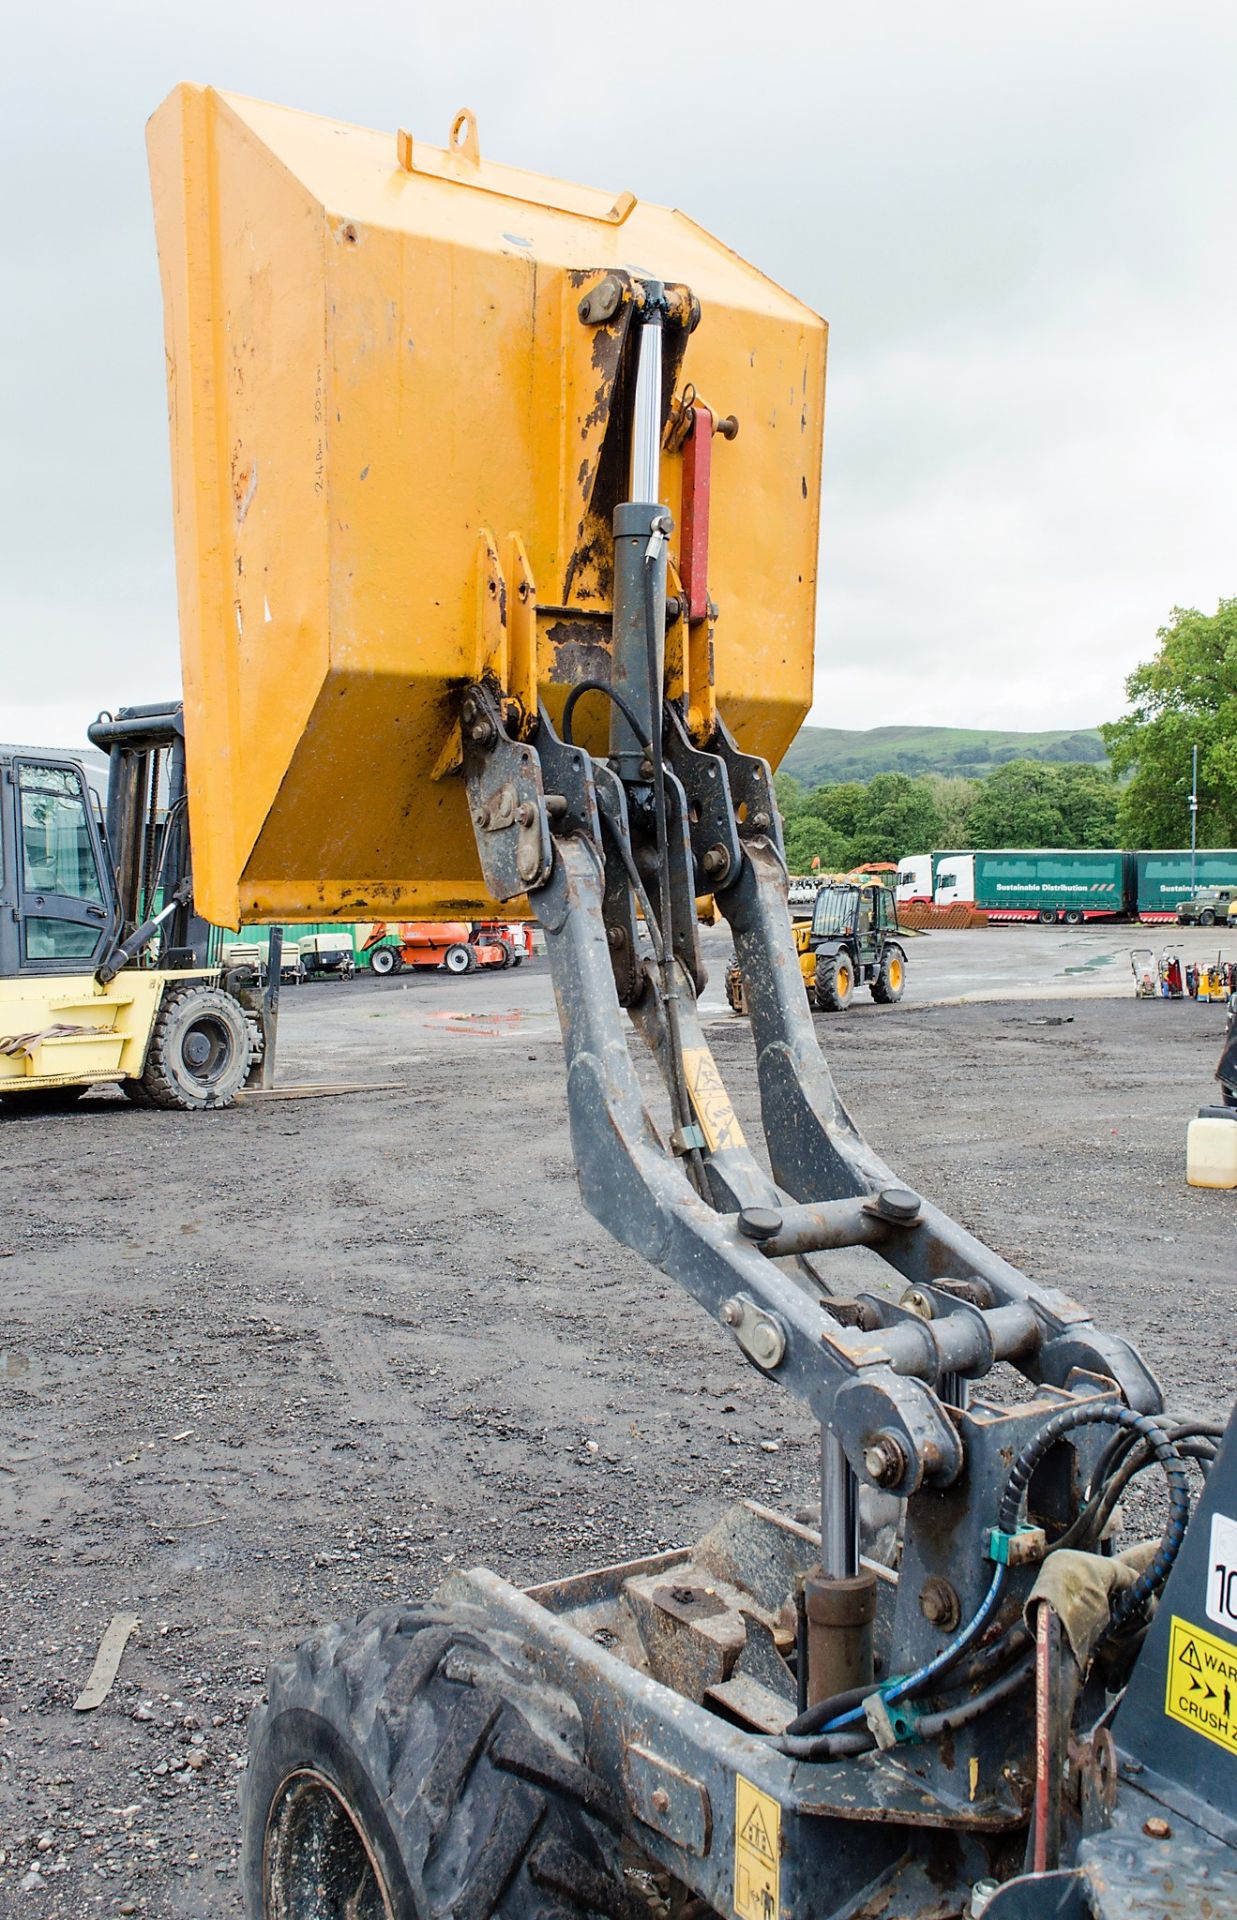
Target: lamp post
[(1193, 814)]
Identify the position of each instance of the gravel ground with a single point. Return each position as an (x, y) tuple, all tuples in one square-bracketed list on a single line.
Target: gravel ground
[(273, 1366)]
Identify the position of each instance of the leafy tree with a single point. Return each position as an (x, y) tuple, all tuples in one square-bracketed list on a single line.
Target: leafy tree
[(1028, 803), (1185, 697), (1089, 802), (953, 798)]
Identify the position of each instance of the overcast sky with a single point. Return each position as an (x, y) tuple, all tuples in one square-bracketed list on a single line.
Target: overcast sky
[(1018, 220)]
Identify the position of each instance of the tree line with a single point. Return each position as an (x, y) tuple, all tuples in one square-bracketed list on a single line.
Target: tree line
[(1186, 696)]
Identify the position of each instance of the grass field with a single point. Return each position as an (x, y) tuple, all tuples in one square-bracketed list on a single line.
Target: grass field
[(822, 754)]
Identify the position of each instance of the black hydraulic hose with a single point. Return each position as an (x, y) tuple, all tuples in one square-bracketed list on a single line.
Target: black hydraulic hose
[(599, 686), (633, 874), (680, 1101), (1135, 1597), (929, 1726), (835, 1718)]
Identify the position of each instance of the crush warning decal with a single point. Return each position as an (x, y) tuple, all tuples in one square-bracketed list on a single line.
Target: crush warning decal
[(757, 1849), (1201, 1689)]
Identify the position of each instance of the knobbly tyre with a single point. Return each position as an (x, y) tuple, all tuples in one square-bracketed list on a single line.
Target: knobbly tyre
[(953, 1695)]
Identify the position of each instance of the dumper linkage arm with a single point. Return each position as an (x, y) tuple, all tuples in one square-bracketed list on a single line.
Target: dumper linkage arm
[(556, 824)]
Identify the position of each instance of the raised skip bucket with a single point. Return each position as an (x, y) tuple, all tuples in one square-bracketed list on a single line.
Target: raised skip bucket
[(396, 448)]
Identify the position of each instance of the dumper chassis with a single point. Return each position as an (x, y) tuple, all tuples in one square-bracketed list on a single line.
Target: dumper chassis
[(947, 1692), (773, 1722)]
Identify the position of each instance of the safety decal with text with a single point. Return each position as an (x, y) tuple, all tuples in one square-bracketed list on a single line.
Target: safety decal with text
[(710, 1101), (757, 1849), (1222, 1572), (1201, 1689)]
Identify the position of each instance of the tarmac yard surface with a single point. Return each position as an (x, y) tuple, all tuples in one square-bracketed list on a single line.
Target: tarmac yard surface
[(268, 1367)]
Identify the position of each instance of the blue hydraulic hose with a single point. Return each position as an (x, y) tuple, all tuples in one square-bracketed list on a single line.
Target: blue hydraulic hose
[(910, 1682)]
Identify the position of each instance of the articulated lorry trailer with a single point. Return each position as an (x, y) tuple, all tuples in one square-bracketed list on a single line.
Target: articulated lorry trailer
[(1052, 884)]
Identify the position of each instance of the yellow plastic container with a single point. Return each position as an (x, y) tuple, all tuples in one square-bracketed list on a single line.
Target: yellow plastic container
[(396, 446), (1211, 1152)]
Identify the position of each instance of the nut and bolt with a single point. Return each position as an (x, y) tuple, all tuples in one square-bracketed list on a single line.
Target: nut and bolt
[(732, 1313), (715, 862), (616, 937), (761, 822), (766, 1343), (939, 1603), (526, 813), (884, 1461), (1157, 1829), (481, 817), (898, 1204), (917, 1302), (482, 732), (660, 1800)]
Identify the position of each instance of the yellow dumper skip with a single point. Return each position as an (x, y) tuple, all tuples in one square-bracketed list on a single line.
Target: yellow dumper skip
[(396, 448)]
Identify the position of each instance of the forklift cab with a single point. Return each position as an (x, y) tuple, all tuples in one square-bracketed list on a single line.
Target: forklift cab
[(56, 886)]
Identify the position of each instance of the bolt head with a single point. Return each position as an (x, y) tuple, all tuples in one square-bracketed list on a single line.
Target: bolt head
[(767, 1344), (884, 1462), (660, 1800), (761, 822), (732, 1313), (1157, 1829), (759, 1223), (479, 731)]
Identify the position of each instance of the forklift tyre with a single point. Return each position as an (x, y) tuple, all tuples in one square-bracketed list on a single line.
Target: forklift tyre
[(458, 959), (384, 960), (200, 1051), (890, 983), (835, 982), (411, 1765)]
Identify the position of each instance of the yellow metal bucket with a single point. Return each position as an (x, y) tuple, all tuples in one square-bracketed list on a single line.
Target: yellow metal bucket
[(397, 439)]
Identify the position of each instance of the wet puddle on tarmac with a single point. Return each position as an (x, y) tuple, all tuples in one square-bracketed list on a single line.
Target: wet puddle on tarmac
[(483, 1025), (1096, 961)]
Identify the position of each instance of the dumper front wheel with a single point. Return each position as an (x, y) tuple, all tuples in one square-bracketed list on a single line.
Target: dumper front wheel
[(412, 1766)]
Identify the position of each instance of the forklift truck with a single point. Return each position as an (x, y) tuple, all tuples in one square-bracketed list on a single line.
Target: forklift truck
[(104, 973), (495, 572)]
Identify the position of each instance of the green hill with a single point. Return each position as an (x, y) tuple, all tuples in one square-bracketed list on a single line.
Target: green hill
[(823, 754)]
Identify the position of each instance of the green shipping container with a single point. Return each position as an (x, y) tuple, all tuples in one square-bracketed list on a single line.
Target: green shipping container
[(1164, 878), (1095, 881)]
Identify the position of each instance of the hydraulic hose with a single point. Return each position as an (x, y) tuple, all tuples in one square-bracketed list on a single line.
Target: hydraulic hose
[(599, 686), (813, 1735), (1163, 1449)]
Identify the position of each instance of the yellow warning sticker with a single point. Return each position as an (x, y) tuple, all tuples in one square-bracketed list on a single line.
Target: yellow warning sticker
[(1201, 1690), (757, 1850), (710, 1100)]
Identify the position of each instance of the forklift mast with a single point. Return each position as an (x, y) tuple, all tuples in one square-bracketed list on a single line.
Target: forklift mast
[(147, 825)]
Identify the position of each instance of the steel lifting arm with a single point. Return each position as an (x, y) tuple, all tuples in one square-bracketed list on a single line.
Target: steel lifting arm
[(689, 1195)]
